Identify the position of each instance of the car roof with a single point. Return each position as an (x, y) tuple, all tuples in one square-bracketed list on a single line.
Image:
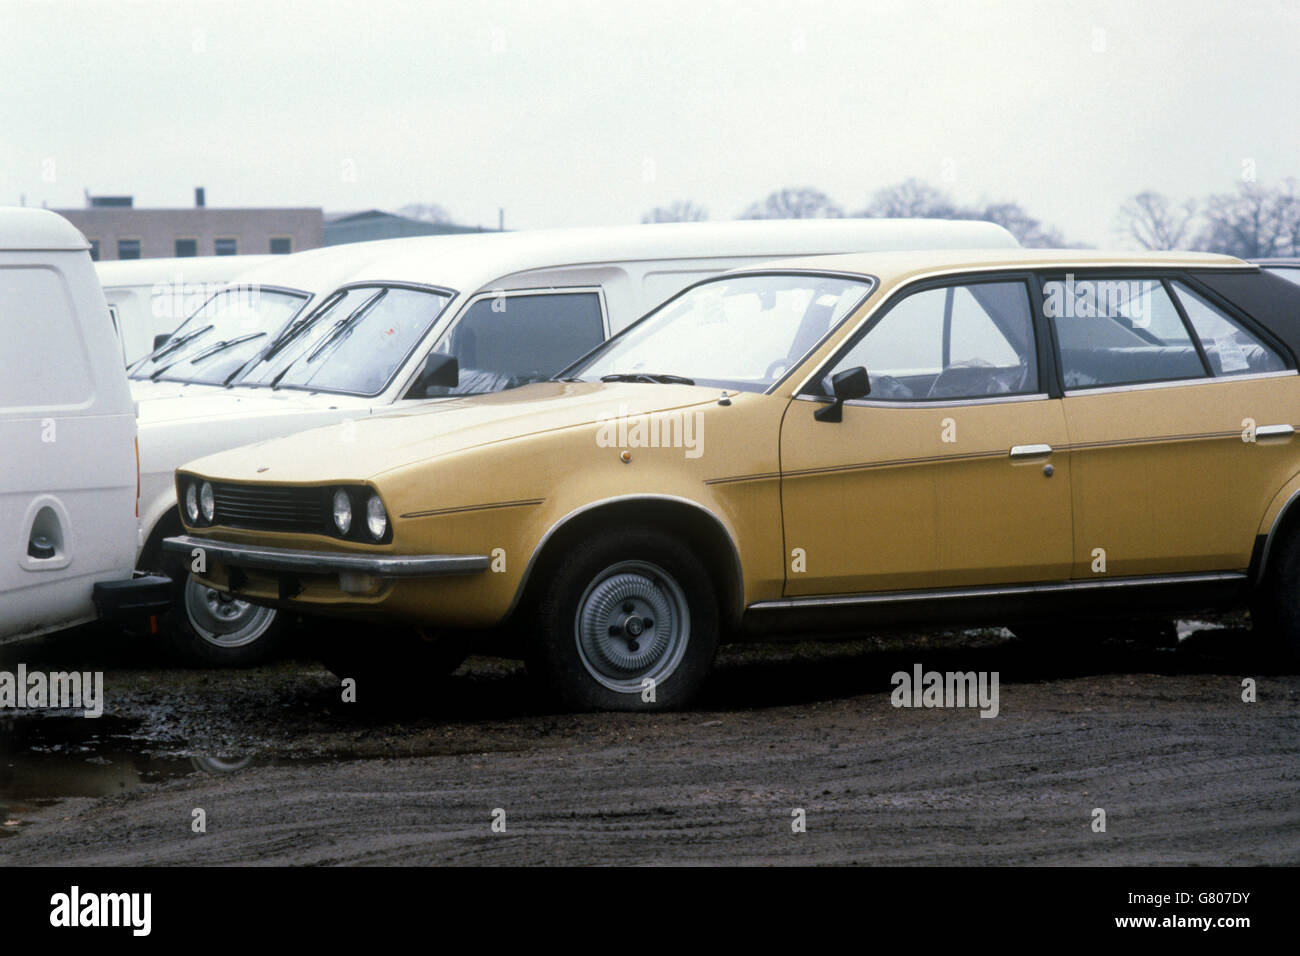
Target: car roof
[(133, 272), (897, 266), (23, 228), (473, 261), (1281, 261)]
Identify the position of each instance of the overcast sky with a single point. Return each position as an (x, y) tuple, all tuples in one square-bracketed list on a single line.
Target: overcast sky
[(592, 113)]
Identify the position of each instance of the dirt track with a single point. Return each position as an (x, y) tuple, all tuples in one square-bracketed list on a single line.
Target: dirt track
[(1160, 739)]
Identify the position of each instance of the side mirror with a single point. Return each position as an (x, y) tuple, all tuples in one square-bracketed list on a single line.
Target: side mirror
[(160, 340), (848, 384), (439, 369)]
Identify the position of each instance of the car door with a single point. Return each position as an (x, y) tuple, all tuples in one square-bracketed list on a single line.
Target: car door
[(1181, 431), (952, 471)]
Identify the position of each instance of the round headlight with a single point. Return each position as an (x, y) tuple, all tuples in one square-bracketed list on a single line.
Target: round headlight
[(207, 502), (192, 502), (342, 511), (376, 518)]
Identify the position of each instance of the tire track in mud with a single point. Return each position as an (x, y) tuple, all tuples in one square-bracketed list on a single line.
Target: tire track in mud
[(1187, 774)]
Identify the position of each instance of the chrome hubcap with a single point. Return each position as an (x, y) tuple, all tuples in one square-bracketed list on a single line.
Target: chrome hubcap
[(222, 620), (632, 623)]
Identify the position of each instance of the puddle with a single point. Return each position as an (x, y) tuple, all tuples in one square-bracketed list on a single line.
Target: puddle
[(53, 757)]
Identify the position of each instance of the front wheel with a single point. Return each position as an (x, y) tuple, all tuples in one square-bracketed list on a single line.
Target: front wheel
[(629, 622), (210, 628)]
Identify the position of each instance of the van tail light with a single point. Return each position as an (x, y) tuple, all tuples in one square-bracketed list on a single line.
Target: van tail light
[(137, 476)]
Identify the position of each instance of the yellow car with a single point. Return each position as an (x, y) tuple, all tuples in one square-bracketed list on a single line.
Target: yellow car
[(817, 446)]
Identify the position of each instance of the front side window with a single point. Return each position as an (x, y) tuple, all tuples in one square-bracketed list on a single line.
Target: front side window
[(355, 344), (511, 340), (951, 342), (743, 332), (1119, 331), (1230, 348)]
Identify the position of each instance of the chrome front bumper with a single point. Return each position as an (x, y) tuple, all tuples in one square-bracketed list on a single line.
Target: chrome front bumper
[(295, 561)]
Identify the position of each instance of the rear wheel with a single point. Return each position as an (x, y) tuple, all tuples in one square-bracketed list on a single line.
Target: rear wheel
[(1275, 612), (629, 621)]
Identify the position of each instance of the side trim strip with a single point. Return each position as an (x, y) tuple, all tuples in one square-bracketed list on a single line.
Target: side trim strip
[(904, 597), (522, 503)]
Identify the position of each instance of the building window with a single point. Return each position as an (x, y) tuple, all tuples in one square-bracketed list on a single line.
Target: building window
[(281, 245), (94, 250), (128, 248), (185, 248), (226, 247)]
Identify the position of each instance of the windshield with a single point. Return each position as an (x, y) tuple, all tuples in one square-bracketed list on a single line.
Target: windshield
[(354, 344), (223, 334), (742, 332)]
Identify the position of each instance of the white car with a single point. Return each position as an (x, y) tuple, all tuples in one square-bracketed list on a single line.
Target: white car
[(68, 482), (148, 298), (510, 308)]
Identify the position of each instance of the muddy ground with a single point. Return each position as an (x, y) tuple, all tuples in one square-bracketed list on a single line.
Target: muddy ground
[(286, 773)]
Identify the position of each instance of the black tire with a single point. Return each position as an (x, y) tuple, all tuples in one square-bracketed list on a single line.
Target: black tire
[(1275, 612), (396, 666), (202, 639), (625, 575)]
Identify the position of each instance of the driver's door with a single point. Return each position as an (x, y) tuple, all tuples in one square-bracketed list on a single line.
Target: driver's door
[(952, 472)]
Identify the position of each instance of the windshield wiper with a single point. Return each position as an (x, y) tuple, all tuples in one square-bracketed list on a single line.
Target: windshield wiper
[(171, 345), (340, 327), (221, 346), (658, 378)]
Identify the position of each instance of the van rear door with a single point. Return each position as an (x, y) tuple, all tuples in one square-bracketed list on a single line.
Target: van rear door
[(67, 430)]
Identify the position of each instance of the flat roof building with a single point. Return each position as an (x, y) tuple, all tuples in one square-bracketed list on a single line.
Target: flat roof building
[(117, 229)]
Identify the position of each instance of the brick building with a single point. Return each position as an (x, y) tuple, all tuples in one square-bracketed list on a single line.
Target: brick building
[(118, 230)]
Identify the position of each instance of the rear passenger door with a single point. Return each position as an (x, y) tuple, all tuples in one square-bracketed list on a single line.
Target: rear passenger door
[(1178, 425)]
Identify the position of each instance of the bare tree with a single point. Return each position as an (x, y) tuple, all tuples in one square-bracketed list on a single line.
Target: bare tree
[(911, 199), (683, 210), (1012, 217), (1253, 222), (426, 212), (801, 203), (1153, 222)]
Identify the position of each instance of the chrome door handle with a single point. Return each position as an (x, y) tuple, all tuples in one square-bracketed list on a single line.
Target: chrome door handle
[(1036, 451), (1274, 431)]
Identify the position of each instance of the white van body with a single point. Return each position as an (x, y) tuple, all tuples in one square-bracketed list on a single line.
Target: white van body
[(150, 297), (67, 431), (626, 270)]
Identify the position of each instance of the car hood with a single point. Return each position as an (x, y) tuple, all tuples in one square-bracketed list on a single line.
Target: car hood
[(237, 403), (366, 448)]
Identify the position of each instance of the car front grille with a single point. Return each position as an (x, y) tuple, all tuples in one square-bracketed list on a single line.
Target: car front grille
[(271, 507)]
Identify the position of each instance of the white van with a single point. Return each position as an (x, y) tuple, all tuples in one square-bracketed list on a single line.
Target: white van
[(148, 298), (68, 466), (512, 308)]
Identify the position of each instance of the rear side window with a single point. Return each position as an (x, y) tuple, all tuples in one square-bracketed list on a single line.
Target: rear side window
[(1230, 348), (41, 351), (1118, 331), (511, 340)]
